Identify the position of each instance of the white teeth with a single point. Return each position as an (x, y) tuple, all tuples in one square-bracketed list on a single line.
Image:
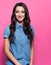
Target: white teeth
[(20, 17)]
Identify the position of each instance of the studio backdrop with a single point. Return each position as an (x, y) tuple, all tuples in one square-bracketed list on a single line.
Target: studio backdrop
[(40, 14)]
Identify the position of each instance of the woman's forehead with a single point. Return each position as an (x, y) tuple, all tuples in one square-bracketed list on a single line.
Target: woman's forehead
[(19, 8)]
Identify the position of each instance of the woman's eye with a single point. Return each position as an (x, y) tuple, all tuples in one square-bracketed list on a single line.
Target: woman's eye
[(23, 12), (17, 11)]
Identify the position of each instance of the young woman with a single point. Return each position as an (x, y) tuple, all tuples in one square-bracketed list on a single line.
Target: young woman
[(19, 37)]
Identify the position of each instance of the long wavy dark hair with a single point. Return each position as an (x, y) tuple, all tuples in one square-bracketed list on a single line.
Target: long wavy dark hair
[(26, 26)]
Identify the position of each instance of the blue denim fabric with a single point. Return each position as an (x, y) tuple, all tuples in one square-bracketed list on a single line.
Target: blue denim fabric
[(20, 47)]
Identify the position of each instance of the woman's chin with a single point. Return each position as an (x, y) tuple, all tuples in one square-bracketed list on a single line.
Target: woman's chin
[(20, 20)]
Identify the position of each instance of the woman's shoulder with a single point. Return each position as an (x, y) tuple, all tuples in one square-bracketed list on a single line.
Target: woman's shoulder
[(32, 27), (7, 31), (7, 27)]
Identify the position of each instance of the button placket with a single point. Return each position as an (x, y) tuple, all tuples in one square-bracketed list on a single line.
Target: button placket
[(23, 51)]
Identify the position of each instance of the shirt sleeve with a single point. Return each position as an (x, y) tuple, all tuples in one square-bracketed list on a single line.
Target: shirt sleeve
[(6, 32), (33, 31)]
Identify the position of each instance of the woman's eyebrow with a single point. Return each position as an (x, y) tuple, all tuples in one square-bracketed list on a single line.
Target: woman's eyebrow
[(17, 10), (21, 10)]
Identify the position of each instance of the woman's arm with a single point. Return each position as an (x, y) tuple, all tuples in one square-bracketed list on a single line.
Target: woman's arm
[(32, 53), (8, 53)]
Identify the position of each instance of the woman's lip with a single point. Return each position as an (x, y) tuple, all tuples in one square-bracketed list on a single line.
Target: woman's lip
[(20, 17)]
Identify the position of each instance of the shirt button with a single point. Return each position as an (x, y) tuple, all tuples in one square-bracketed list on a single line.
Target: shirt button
[(23, 52)]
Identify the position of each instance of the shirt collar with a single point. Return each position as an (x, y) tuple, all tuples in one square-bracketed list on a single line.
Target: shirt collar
[(18, 25)]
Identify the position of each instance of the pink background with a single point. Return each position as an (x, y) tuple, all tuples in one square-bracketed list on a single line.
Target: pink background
[(40, 13)]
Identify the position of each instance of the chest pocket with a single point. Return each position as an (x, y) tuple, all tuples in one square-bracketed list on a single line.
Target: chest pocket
[(20, 37)]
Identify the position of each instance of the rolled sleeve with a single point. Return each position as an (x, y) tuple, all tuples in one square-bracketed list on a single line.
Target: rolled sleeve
[(6, 32)]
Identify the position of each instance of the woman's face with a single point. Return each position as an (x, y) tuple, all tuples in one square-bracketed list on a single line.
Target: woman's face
[(20, 13)]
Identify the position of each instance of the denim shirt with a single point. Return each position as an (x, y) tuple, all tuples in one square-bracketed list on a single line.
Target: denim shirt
[(20, 47)]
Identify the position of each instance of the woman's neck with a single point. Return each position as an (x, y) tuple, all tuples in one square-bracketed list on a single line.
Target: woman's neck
[(20, 23)]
